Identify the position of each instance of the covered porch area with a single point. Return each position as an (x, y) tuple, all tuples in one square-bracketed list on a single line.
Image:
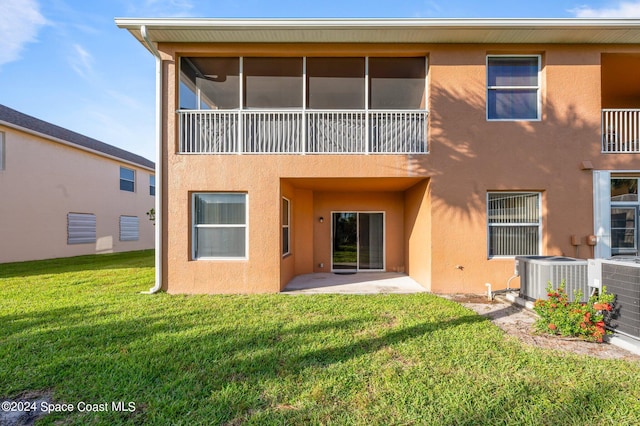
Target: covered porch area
[(339, 232)]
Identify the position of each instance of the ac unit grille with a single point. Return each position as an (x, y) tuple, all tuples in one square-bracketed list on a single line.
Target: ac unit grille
[(536, 273), (623, 280)]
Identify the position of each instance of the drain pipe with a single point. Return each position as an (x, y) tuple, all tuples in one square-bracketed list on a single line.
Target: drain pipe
[(491, 294), (159, 186)]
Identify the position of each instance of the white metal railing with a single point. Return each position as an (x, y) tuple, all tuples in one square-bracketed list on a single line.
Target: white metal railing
[(621, 130), (302, 132), (271, 132), (336, 132)]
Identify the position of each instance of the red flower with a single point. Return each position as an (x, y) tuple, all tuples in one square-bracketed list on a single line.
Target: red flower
[(552, 326), (601, 306)]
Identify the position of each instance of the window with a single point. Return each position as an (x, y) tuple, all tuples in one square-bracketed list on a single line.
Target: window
[(625, 209), (127, 179), (513, 88), (220, 225), (286, 226), (81, 228), (152, 185), (1, 151), (129, 228), (624, 190), (514, 223)]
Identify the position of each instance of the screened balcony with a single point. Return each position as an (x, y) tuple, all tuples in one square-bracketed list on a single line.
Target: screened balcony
[(620, 103), (302, 106)]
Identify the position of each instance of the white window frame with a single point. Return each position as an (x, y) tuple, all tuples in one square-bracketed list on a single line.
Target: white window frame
[(287, 226), (538, 88), (538, 224), (195, 226), (631, 204), (127, 180), (2, 151)]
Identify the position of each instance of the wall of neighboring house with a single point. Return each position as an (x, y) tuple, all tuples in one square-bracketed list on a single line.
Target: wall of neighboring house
[(43, 181), (440, 225)]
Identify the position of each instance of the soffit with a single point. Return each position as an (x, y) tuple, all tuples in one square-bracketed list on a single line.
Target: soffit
[(189, 30), (387, 184)]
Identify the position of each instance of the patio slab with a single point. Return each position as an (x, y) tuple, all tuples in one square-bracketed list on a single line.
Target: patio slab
[(358, 283)]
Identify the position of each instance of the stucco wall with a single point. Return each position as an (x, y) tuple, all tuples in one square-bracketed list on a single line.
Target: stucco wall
[(43, 181), (468, 157)]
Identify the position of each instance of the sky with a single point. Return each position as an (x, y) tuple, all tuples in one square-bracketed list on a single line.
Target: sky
[(66, 62)]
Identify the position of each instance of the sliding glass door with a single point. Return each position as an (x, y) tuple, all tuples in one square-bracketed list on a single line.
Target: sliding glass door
[(357, 241)]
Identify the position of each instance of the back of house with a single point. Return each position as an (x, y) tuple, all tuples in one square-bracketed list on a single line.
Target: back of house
[(437, 148)]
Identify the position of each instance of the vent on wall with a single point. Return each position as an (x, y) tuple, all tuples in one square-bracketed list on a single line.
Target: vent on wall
[(537, 271)]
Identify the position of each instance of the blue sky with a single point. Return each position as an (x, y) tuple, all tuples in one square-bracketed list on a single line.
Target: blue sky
[(65, 61)]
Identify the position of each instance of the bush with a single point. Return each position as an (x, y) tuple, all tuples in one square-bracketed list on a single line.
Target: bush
[(561, 317)]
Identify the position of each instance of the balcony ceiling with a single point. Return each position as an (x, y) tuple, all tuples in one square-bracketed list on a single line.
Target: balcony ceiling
[(193, 30), (388, 184)]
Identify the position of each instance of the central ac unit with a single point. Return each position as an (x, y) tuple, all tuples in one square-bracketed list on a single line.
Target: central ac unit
[(621, 276), (537, 271)]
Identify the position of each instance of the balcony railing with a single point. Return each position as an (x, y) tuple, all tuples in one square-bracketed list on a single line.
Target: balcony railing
[(621, 130), (303, 132)]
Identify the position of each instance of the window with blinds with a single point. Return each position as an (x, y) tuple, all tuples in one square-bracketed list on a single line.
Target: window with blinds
[(220, 225), (514, 223)]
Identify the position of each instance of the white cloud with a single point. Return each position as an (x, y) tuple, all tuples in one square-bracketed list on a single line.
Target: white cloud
[(623, 9), (20, 21), (81, 61)]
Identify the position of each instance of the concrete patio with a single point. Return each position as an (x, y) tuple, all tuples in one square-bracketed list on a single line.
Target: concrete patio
[(356, 283)]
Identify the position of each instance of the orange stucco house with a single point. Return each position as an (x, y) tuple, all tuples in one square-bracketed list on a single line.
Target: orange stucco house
[(440, 148)]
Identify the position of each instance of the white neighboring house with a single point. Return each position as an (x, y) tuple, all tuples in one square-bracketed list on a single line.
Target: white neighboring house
[(64, 194)]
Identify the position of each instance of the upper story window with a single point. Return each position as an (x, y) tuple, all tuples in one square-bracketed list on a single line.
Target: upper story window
[(127, 179), (152, 185), (513, 87)]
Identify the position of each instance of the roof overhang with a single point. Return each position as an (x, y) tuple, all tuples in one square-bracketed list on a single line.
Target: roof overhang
[(486, 31)]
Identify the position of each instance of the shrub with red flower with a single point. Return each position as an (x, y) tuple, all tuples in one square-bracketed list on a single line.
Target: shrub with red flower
[(557, 315)]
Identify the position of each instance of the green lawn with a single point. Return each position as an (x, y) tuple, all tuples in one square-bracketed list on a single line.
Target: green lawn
[(80, 329)]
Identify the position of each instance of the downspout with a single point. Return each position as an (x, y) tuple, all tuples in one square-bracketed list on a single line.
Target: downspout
[(159, 186)]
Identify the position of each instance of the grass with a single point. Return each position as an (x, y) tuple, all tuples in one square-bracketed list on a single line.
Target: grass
[(80, 330)]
